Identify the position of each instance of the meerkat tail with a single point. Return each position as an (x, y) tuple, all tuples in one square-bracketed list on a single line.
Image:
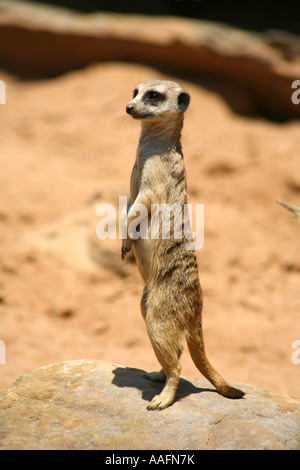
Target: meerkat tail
[(195, 344)]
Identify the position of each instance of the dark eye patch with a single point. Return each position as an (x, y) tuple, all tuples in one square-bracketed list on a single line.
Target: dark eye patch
[(154, 96), (135, 92)]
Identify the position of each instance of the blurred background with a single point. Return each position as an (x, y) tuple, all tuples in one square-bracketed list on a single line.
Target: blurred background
[(67, 145)]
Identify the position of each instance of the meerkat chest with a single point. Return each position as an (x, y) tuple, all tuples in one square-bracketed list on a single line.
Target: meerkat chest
[(165, 178)]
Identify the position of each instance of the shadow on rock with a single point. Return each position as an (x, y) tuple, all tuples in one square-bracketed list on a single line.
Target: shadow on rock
[(131, 377)]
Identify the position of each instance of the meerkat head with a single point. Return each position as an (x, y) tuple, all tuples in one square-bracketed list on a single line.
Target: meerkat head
[(157, 99)]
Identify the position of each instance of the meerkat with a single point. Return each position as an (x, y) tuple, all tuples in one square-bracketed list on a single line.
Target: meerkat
[(171, 303)]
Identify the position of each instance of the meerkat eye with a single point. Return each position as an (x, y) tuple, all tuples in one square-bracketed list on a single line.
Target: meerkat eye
[(154, 96), (135, 92)]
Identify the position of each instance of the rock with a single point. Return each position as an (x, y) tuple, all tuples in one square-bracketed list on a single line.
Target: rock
[(56, 40), (97, 405)]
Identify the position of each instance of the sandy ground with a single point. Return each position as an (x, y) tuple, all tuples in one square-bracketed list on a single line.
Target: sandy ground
[(68, 146)]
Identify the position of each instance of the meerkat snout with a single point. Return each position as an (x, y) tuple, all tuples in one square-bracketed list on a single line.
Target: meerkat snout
[(129, 109)]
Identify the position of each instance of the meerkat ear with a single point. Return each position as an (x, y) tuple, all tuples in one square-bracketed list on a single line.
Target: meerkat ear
[(183, 101)]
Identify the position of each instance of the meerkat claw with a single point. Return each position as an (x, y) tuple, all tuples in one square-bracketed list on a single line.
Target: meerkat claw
[(126, 247), (159, 402)]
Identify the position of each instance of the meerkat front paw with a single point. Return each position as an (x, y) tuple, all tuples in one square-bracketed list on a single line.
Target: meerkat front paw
[(126, 247)]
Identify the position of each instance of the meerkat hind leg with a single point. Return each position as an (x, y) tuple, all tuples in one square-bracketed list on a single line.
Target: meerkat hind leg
[(166, 397), (167, 351), (156, 376), (161, 375)]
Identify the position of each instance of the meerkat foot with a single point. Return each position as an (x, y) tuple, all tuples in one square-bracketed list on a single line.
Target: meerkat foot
[(126, 247), (161, 401), (156, 376)]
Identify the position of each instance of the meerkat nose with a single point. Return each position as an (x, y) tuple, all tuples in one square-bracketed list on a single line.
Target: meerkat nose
[(129, 109)]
